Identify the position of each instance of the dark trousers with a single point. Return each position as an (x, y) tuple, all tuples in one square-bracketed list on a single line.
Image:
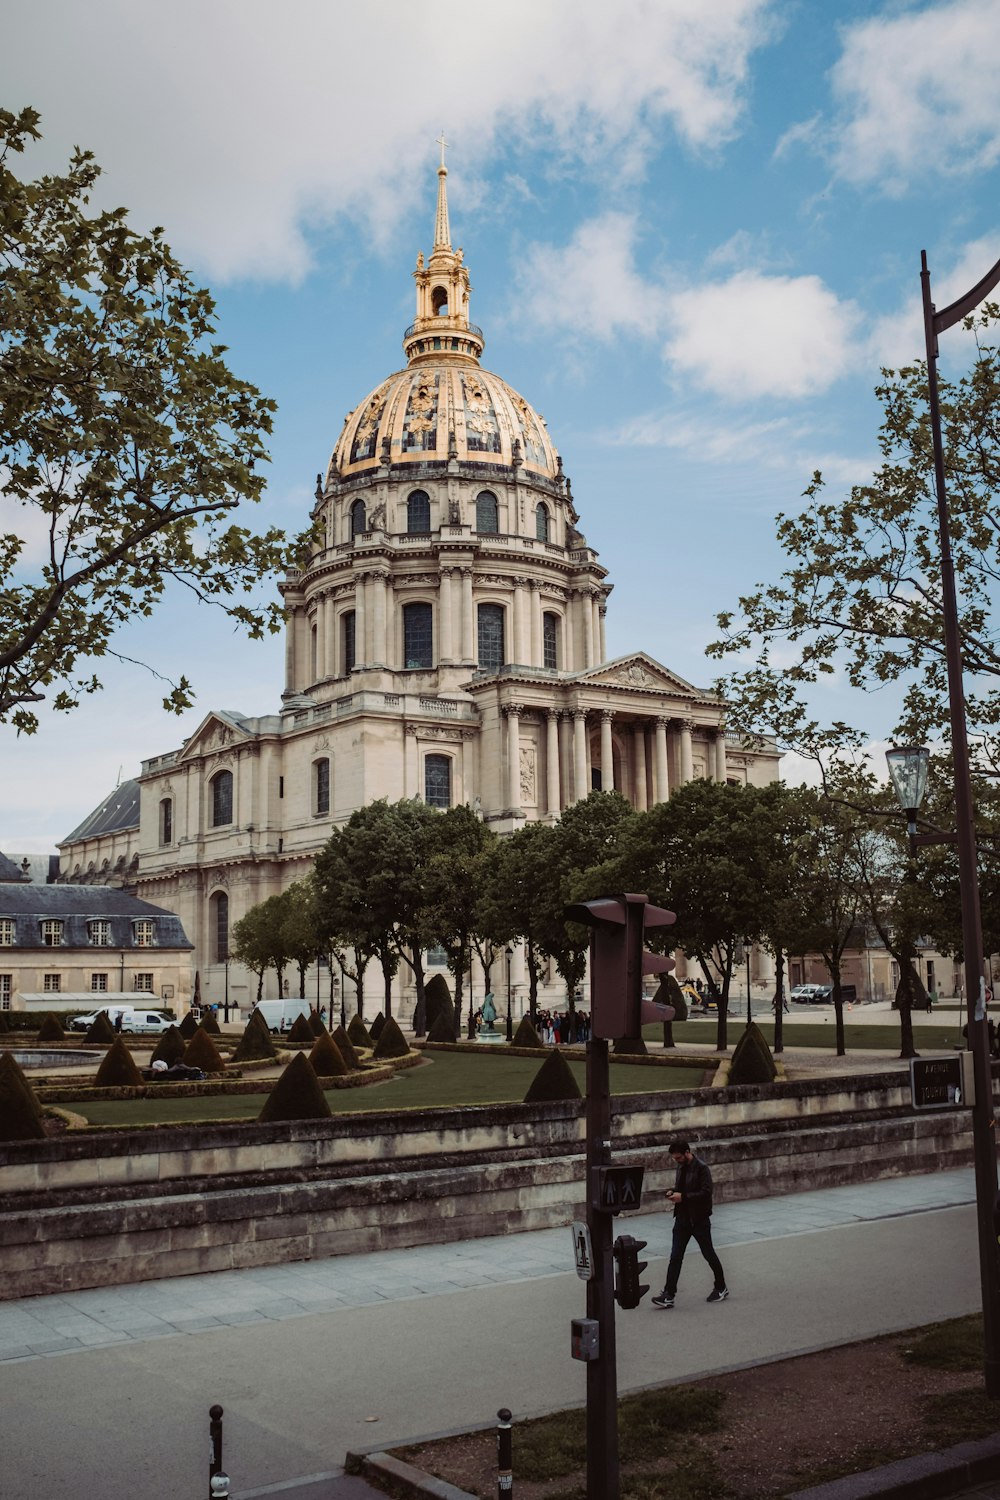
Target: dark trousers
[(700, 1231)]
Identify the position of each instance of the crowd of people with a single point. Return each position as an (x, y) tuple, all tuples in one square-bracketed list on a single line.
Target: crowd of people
[(555, 1027)]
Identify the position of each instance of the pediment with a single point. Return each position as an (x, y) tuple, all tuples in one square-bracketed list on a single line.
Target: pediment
[(218, 731), (641, 673)]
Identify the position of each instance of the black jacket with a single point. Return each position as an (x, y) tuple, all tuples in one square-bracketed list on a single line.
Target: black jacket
[(694, 1182)]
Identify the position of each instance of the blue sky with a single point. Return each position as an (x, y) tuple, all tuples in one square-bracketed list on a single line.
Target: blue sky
[(693, 230)]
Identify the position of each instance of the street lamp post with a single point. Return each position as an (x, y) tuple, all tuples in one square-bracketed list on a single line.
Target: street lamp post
[(508, 955), (983, 1125)]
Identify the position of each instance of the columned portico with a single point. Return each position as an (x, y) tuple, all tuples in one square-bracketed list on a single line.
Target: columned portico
[(553, 804), (687, 752), (581, 758), (639, 754), (607, 752), (661, 775), (513, 712)]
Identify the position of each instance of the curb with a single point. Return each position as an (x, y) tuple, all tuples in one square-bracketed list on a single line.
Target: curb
[(927, 1476), (406, 1481)]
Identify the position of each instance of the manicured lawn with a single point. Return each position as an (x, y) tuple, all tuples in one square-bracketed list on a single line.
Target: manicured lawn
[(461, 1079), (818, 1033)]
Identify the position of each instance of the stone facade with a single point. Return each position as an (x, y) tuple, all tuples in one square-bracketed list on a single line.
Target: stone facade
[(446, 640)]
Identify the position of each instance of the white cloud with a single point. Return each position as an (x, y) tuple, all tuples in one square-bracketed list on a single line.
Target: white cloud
[(590, 288), (917, 91), (240, 124), (778, 336), (897, 339)]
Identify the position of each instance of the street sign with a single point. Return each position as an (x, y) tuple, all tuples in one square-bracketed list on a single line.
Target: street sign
[(942, 1082), (583, 1252), (615, 1189)]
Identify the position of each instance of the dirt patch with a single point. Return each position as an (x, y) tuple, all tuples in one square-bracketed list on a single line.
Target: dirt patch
[(783, 1426)]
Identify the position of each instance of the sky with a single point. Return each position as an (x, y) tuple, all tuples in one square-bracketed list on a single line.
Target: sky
[(694, 234)]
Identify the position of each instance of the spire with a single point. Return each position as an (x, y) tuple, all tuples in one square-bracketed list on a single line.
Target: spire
[(442, 232)]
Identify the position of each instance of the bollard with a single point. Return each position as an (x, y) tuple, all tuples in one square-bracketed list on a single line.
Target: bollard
[(505, 1475), (215, 1457)]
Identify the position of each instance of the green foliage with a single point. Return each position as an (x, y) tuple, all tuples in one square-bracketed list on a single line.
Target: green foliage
[(862, 590), (554, 1080), (437, 996), (255, 1044), (752, 1061), (201, 1052), (526, 1035), (101, 1030), (280, 931), (375, 1029), (118, 1069), (124, 438), (346, 1049), (316, 1025), (301, 1033), (326, 1058), (51, 1029), (443, 1026), (391, 1042), (20, 1112), (358, 1033), (169, 1048), (296, 1095), (188, 1025), (210, 1021)]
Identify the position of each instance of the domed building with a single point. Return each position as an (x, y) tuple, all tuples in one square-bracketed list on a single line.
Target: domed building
[(445, 641)]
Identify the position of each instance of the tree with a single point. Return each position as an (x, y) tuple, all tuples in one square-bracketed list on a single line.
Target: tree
[(515, 896), (125, 441), (260, 940), (827, 892), (453, 881), (862, 590), (301, 935)]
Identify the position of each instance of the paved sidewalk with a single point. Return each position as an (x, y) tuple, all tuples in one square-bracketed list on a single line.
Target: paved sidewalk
[(36, 1327)]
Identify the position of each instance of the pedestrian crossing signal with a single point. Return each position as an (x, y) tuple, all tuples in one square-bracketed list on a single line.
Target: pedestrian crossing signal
[(629, 1292), (618, 960)]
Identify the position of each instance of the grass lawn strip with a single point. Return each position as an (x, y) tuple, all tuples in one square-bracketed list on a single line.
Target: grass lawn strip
[(769, 1430)]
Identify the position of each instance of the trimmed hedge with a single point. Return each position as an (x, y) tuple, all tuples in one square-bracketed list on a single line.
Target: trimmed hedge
[(346, 1049), (554, 1080), (255, 1044), (188, 1026), (359, 1034), (20, 1111), (210, 1021), (752, 1060), (170, 1047), (296, 1095), (443, 1027), (201, 1052), (326, 1058), (436, 992), (375, 1029), (391, 1043), (101, 1029), (51, 1029), (301, 1034), (117, 1067), (526, 1035)]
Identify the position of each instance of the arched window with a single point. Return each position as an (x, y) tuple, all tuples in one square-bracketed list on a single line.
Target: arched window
[(348, 639), (166, 823), (542, 522), (418, 513), (487, 517), (437, 781), (218, 927), (359, 521), (321, 786), (550, 640), (490, 637), (439, 301), (222, 799), (418, 635)]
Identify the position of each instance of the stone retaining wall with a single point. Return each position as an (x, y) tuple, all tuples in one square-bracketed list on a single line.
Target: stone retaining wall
[(106, 1208)]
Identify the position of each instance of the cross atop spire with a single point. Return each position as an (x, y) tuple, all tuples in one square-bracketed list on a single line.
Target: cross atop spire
[(442, 230)]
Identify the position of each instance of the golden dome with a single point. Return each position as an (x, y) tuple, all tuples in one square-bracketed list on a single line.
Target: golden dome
[(443, 405)]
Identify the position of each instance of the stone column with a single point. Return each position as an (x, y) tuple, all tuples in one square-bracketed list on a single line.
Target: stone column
[(445, 633), (469, 652), (596, 655), (379, 581), (566, 756), (687, 758), (553, 805), (581, 759), (661, 776), (290, 652), (320, 671), (569, 651), (520, 646), (607, 752), (513, 713), (360, 620), (720, 756), (411, 763), (639, 751), (536, 624), (584, 625), (602, 612)]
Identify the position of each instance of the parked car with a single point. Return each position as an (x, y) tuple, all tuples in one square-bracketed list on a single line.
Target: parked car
[(803, 993), (135, 1022), (822, 994)]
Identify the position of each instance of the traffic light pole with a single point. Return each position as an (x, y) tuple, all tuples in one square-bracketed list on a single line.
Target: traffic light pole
[(602, 1373)]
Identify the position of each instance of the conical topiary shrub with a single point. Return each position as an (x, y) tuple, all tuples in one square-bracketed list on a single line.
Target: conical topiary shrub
[(526, 1035), (630, 1046), (20, 1112), (752, 1061), (301, 1033), (554, 1080), (51, 1029), (188, 1026), (346, 1049), (375, 1029), (316, 1023), (326, 1059), (201, 1052), (210, 1021), (118, 1069), (296, 1095), (436, 992), (101, 1029), (170, 1047), (443, 1029), (391, 1043), (669, 992), (358, 1033), (255, 1044)]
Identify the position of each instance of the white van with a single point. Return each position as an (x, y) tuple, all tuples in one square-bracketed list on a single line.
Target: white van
[(136, 1022), (280, 1014)]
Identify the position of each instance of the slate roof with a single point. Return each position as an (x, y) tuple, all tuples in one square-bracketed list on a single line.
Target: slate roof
[(76, 905), (118, 811), (8, 869)]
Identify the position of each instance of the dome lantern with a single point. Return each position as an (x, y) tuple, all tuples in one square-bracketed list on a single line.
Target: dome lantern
[(441, 329)]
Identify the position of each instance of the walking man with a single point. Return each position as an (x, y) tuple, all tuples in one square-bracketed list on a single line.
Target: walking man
[(692, 1200)]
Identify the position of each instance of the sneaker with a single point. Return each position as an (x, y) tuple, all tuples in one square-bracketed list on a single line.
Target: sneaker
[(663, 1300), (718, 1294)]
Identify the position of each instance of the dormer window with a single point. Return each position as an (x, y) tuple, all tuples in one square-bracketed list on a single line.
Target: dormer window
[(8, 932), (145, 934), (100, 934), (52, 934)]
